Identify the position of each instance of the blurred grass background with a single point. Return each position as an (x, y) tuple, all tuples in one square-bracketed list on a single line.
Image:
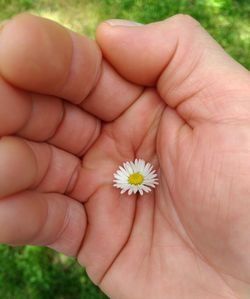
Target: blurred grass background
[(38, 273)]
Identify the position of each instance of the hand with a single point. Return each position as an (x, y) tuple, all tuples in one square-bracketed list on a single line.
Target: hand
[(188, 239)]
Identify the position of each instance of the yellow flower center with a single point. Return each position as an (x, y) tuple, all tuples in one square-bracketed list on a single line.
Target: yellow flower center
[(136, 179)]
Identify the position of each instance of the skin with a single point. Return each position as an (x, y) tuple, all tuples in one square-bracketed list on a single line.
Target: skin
[(69, 116)]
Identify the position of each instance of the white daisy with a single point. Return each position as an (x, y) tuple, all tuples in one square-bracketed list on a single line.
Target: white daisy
[(135, 177)]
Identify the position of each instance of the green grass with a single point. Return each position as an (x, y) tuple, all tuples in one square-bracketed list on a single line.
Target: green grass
[(39, 273), (34, 273)]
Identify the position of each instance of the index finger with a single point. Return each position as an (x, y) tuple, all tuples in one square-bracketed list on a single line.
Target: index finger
[(49, 60), (41, 56)]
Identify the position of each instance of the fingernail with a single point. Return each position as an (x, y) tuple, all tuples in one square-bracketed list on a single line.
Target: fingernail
[(120, 22)]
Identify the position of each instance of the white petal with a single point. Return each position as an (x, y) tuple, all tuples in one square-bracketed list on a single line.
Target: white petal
[(122, 174), (137, 164), (147, 169), (132, 165), (136, 189), (141, 165), (120, 180), (123, 170), (128, 168), (117, 176), (150, 185), (140, 189), (146, 189), (150, 180), (151, 173)]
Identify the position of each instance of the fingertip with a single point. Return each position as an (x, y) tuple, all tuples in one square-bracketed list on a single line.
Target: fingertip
[(71, 230), (103, 28), (39, 55), (27, 42), (103, 31), (138, 53), (47, 219)]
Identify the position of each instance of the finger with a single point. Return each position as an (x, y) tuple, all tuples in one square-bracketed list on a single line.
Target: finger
[(110, 220), (57, 62), (52, 220), (46, 118), (15, 108), (41, 117), (192, 72), (137, 246), (29, 165), (41, 56), (60, 123), (112, 95)]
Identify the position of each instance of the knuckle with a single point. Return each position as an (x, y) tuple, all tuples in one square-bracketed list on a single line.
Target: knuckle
[(185, 21)]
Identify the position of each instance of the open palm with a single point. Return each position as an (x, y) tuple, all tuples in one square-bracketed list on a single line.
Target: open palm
[(187, 239)]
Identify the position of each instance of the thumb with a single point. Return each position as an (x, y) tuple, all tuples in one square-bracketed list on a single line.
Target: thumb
[(191, 71)]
